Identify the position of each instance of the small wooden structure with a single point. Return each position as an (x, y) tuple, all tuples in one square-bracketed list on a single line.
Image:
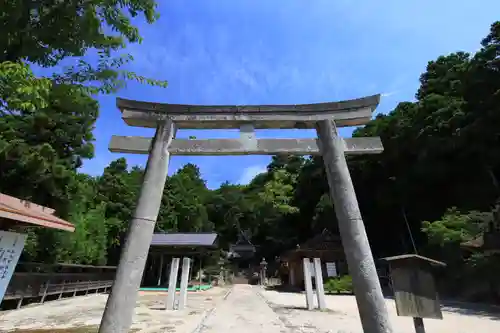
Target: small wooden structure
[(414, 287), (243, 248), (488, 241), (165, 246), (325, 246), (175, 245), (241, 255), (17, 214)]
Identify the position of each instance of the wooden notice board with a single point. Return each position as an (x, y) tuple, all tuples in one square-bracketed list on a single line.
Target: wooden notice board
[(11, 247), (415, 293), (413, 284)]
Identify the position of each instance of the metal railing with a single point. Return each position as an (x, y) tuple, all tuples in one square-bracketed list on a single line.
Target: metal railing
[(39, 281)]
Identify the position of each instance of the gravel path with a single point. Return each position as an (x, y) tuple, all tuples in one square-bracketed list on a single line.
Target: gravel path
[(74, 314), (342, 316), (247, 309), (244, 311)]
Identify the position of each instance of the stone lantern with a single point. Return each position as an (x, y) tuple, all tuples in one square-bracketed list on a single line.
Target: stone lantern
[(263, 269)]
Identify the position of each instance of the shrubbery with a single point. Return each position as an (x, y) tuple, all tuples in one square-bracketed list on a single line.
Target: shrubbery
[(338, 285)]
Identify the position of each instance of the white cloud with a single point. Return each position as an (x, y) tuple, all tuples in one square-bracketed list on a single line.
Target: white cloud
[(389, 94), (249, 173)]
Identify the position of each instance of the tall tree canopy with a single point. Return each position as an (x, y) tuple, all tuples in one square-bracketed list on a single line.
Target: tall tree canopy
[(46, 123), (46, 32)]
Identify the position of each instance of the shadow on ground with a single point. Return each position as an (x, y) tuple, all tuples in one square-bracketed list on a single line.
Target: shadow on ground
[(295, 290), (284, 289), (279, 308), (491, 312), (472, 309), (86, 329), (90, 329)]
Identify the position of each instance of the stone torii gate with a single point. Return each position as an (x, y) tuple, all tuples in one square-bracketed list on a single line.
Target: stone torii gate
[(324, 117)]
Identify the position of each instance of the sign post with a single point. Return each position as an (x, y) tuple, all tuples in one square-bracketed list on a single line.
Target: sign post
[(331, 269), (11, 247)]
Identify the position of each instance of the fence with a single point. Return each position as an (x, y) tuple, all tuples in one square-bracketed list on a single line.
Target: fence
[(34, 281)]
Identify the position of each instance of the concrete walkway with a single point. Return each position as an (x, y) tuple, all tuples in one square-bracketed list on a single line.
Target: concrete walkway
[(244, 311)]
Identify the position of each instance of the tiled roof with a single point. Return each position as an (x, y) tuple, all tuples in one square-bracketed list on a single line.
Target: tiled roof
[(414, 257), (27, 212), (195, 239), (323, 241)]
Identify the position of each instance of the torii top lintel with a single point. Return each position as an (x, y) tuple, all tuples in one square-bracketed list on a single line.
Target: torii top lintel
[(353, 112)]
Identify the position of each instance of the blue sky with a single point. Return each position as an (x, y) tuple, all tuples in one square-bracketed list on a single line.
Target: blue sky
[(281, 52)]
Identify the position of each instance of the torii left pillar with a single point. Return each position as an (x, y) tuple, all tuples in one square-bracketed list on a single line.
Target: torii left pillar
[(117, 317)]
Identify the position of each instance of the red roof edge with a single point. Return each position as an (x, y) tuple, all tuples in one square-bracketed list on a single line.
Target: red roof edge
[(27, 212)]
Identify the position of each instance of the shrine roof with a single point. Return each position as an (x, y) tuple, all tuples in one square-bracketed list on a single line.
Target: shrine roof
[(324, 242), (23, 211), (412, 257), (488, 242), (175, 239)]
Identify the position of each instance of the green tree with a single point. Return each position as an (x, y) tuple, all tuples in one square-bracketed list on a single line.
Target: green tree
[(88, 243), (278, 192), (20, 89), (115, 189), (104, 27), (46, 124), (228, 208), (271, 196), (184, 202), (468, 274), (41, 150), (455, 227)]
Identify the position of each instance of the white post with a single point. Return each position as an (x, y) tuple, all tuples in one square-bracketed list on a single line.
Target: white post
[(186, 265), (172, 283), (306, 263), (160, 271), (320, 291), (291, 276), (200, 278)]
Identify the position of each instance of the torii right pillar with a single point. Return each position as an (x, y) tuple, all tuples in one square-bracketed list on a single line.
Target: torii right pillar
[(369, 297)]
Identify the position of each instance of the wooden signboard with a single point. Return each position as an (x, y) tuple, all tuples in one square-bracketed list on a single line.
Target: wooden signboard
[(331, 269), (11, 247), (414, 288), (415, 293)]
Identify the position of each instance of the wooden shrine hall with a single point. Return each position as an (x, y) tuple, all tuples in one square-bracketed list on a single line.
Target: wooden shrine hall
[(165, 246), (16, 216), (325, 246)]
